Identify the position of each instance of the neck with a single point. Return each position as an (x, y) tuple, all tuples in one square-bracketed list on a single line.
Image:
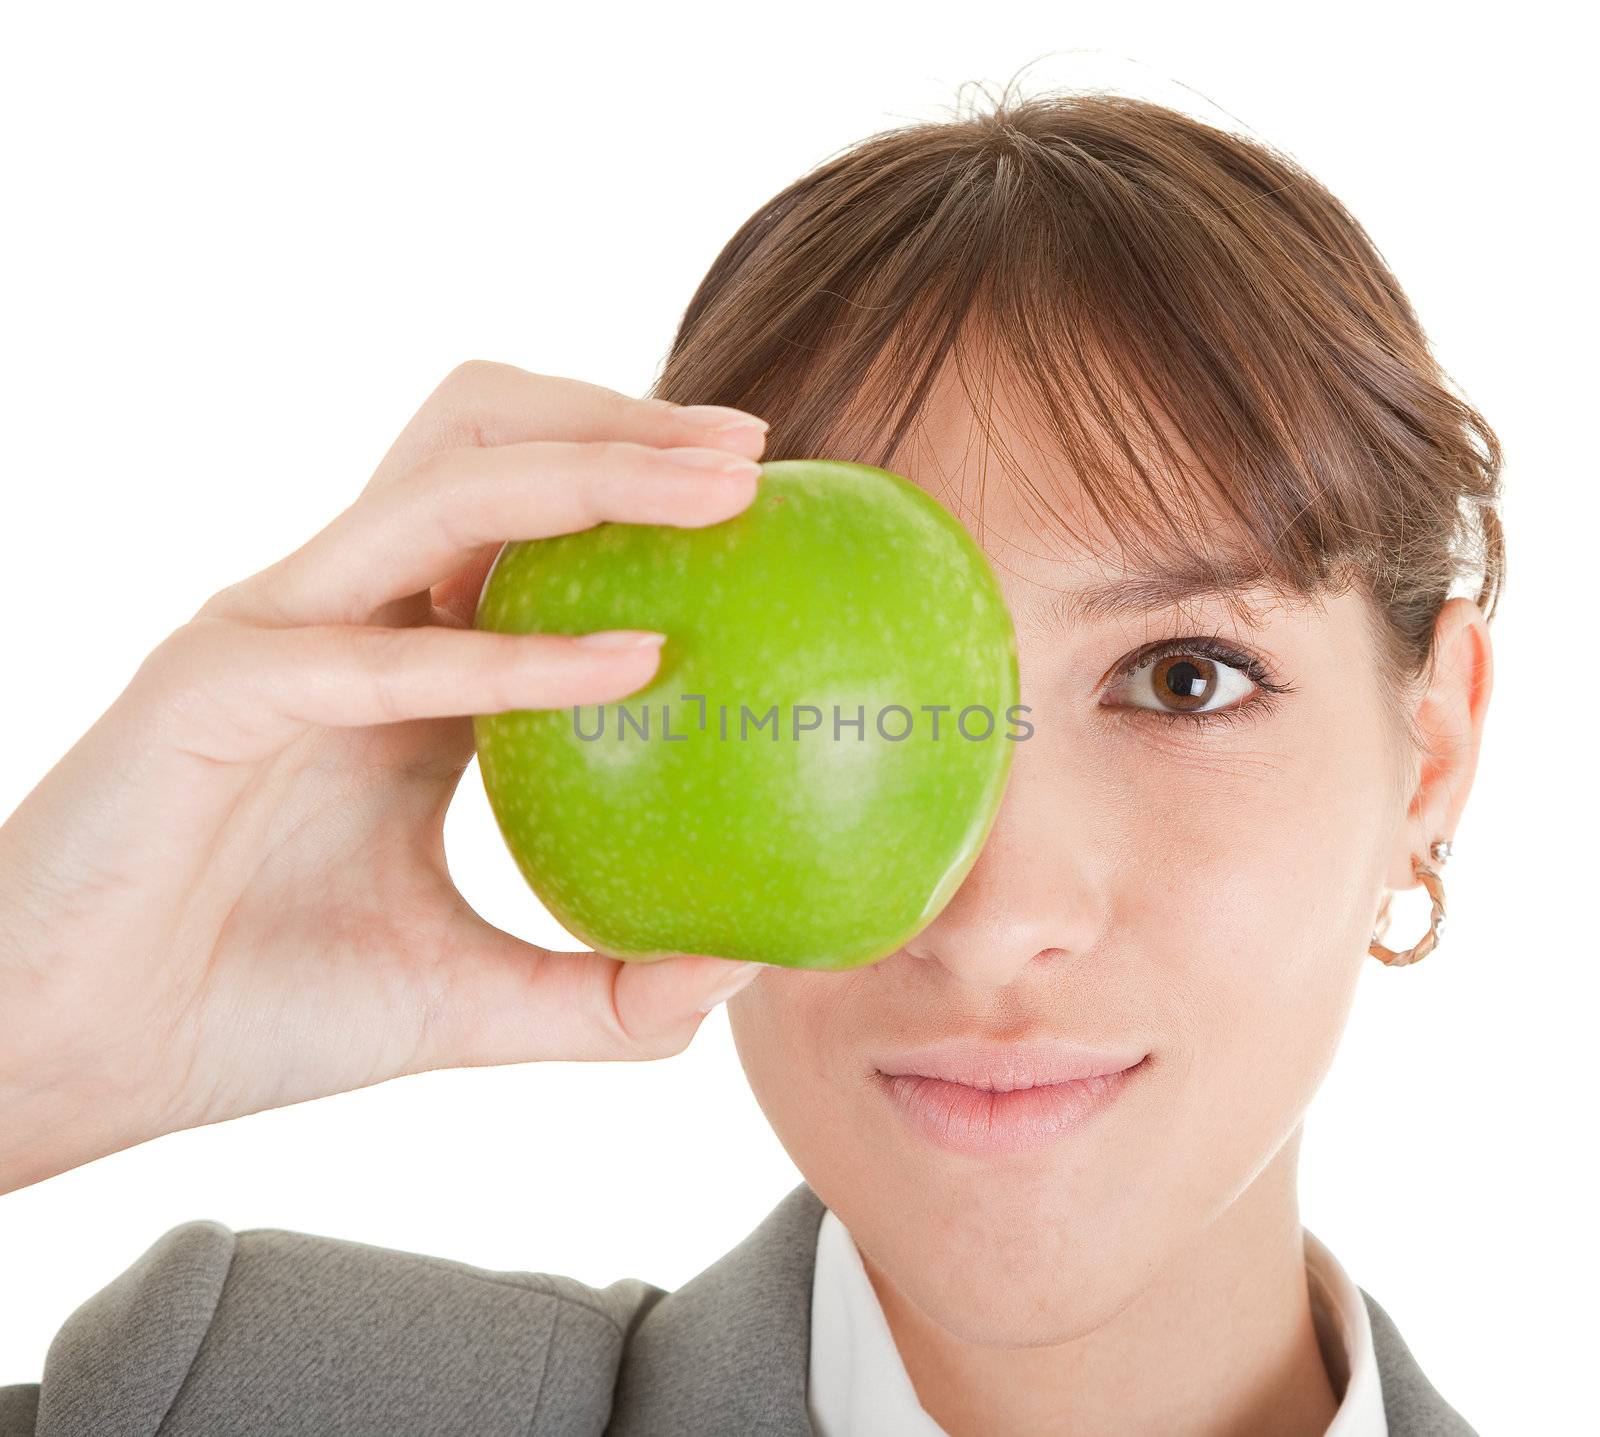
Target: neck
[(1221, 1343)]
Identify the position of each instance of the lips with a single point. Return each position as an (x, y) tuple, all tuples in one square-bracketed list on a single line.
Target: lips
[(985, 1100), (1005, 1067)]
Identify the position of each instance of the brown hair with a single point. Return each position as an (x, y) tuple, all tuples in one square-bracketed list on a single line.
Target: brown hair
[(1115, 252)]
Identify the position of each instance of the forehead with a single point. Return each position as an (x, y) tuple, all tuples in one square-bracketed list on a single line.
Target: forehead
[(1059, 555)]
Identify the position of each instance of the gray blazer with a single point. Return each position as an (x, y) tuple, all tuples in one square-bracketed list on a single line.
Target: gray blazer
[(216, 1333)]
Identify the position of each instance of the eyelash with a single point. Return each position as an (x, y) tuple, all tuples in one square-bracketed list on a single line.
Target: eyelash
[(1212, 647)]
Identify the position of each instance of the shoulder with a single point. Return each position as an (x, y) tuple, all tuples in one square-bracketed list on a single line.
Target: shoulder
[(214, 1331), (1412, 1405)]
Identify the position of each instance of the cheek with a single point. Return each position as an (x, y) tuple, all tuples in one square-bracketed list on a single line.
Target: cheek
[(1250, 927), (795, 1033)]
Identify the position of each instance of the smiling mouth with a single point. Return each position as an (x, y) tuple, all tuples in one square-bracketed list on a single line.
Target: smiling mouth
[(1004, 1067), (995, 1121)]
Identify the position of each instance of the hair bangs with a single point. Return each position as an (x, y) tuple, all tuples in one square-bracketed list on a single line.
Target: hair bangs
[(1216, 369)]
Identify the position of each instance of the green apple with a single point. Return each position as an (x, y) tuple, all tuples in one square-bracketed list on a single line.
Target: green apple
[(821, 753)]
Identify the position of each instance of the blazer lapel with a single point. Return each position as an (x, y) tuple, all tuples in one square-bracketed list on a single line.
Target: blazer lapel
[(729, 1352)]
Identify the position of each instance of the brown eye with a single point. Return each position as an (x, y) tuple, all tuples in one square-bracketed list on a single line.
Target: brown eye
[(1180, 682), (1184, 681)]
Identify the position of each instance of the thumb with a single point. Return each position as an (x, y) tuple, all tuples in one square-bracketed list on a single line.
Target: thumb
[(715, 980), (495, 998), (663, 1001)]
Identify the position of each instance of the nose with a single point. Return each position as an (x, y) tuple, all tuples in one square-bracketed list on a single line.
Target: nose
[(1031, 894)]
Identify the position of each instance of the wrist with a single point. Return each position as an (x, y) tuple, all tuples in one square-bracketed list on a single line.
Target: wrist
[(59, 1109)]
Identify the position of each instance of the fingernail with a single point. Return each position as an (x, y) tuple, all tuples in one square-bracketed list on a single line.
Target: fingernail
[(718, 418), (713, 461), (735, 982), (619, 639)]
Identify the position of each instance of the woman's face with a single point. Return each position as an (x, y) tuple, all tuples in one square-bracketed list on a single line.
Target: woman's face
[(1204, 894)]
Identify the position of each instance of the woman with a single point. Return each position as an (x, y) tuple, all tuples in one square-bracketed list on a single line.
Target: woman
[(1235, 495)]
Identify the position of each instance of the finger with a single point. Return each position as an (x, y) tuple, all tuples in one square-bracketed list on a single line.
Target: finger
[(456, 599), (416, 533), (236, 693), (482, 404), (500, 1000)]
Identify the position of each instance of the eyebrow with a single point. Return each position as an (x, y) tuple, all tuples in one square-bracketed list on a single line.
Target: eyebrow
[(1148, 593)]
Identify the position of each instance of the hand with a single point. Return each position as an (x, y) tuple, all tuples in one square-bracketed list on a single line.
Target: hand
[(231, 894)]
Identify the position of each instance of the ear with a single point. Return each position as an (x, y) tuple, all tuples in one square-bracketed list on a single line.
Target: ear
[(1449, 715)]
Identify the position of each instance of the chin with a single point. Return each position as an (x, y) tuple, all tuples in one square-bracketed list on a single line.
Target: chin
[(1035, 1289), (1031, 1250)]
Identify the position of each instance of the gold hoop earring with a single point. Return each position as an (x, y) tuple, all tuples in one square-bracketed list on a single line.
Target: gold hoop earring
[(1430, 879)]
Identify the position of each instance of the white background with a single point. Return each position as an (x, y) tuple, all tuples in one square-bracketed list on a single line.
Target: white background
[(242, 244)]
